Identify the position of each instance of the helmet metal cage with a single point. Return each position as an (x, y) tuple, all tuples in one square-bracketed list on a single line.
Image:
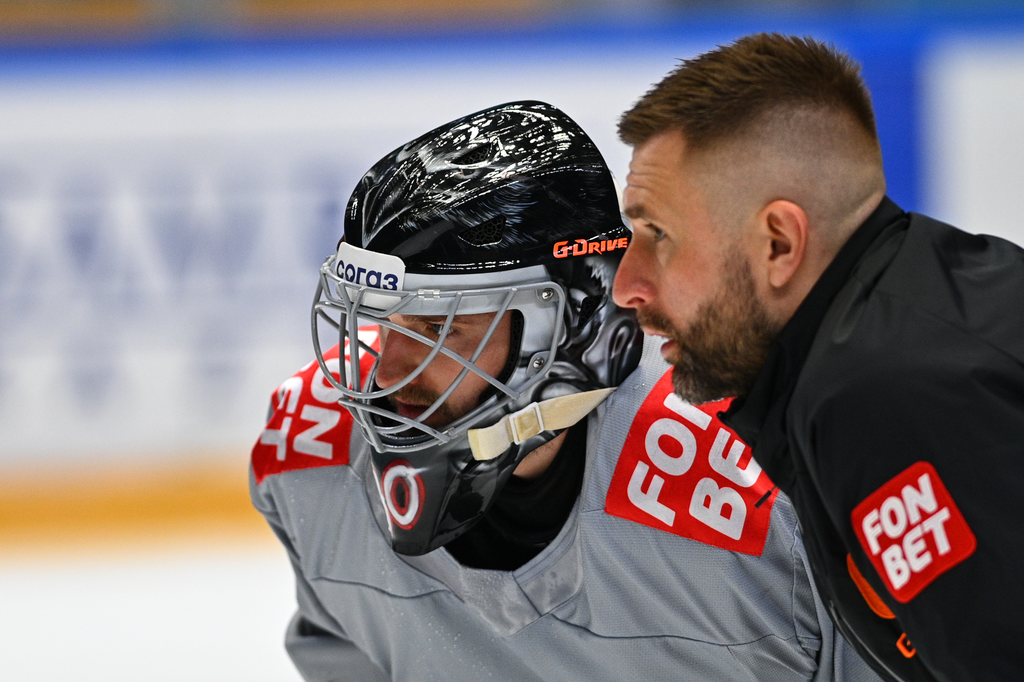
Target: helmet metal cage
[(345, 306)]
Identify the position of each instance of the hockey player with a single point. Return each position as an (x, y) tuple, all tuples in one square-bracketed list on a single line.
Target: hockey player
[(522, 496)]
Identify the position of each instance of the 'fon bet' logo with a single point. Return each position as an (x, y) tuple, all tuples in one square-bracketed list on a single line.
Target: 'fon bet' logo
[(683, 472), (403, 492), (912, 531), (581, 247)]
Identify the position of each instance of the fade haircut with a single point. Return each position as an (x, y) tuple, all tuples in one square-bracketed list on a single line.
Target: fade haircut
[(722, 94)]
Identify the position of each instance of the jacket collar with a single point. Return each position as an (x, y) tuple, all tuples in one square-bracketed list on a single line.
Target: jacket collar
[(758, 417)]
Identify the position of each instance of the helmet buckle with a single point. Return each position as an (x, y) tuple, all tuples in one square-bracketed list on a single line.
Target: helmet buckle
[(526, 423)]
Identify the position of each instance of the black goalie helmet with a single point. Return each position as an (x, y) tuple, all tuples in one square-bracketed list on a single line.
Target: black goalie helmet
[(511, 215)]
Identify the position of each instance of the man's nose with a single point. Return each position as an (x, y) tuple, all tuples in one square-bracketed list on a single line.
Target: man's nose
[(633, 287), (399, 356)]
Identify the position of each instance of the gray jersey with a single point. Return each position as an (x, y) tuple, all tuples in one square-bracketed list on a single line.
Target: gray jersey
[(611, 598)]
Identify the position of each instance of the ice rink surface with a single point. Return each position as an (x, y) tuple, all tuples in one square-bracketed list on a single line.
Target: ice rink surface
[(192, 614)]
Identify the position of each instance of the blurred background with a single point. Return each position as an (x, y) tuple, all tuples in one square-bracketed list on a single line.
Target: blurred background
[(172, 174)]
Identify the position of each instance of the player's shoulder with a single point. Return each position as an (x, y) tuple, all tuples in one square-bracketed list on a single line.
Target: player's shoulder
[(307, 428), (681, 470)]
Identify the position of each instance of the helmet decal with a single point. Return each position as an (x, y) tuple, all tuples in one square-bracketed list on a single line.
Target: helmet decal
[(583, 247), (403, 494), (511, 215), (376, 270)]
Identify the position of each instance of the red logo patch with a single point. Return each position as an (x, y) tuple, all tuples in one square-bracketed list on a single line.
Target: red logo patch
[(912, 531), (403, 493), (681, 470), (308, 427)]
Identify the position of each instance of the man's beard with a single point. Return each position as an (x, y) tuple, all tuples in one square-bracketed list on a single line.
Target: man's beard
[(725, 347)]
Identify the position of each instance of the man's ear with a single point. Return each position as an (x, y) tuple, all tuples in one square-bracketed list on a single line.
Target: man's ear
[(784, 227)]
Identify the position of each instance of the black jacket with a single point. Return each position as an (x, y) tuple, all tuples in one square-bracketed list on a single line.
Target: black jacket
[(907, 354)]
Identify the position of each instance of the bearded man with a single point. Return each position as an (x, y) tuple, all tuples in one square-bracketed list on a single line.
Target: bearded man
[(878, 355)]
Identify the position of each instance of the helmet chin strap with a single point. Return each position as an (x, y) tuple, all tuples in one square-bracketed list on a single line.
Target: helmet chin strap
[(553, 414)]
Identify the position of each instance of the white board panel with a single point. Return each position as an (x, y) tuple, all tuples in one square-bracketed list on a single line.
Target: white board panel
[(974, 109), (161, 226)]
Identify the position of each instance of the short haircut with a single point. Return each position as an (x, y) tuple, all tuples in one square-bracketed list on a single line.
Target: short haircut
[(722, 94)]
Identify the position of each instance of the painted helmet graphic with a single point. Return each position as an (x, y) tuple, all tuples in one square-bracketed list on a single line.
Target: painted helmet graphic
[(512, 211)]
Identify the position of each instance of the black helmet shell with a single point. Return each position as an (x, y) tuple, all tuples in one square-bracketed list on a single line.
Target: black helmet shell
[(513, 180)]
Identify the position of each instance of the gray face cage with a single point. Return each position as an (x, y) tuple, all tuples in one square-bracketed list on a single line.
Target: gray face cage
[(345, 305)]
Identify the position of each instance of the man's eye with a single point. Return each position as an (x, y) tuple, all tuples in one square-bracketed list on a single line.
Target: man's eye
[(436, 329), (657, 233)]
